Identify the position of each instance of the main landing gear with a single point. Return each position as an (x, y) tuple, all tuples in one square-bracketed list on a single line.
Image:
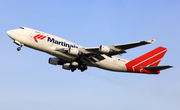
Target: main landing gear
[(82, 68)]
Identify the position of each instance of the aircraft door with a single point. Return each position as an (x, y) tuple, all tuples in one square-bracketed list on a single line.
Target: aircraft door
[(30, 36)]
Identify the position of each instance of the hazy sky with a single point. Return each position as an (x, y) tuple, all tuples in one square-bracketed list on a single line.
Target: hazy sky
[(28, 82)]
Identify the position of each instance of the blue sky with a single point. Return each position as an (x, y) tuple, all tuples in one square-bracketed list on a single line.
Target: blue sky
[(28, 82)]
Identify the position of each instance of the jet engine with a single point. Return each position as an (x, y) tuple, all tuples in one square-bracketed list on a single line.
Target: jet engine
[(74, 51), (105, 49), (55, 61)]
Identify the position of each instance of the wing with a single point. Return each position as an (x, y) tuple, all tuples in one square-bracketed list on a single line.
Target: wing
[(95, 54), (117, 49), (82, 54), (133, 45)]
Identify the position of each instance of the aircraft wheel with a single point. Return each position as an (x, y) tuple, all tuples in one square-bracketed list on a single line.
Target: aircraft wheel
[(19, 48), (73, 69)]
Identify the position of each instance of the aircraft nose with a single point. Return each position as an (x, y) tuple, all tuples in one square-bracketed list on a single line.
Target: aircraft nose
[(8, 33), (11, 34)]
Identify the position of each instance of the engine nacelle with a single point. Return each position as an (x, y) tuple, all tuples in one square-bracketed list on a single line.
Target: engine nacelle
[(105, 49), (55, 61), (74, 51), (67, 66)]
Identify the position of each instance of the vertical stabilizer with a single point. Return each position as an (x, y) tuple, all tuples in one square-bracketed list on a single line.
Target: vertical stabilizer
[(149, 59)]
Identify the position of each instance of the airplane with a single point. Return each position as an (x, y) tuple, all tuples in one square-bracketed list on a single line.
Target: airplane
[(72, 56)]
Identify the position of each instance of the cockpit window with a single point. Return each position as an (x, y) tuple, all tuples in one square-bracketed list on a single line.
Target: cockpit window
[(21, 27)]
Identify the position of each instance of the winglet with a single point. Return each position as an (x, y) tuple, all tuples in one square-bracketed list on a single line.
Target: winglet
[(151, 41)]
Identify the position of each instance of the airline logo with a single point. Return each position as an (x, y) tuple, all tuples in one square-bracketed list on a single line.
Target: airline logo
[(52, 40), (38, 36), (65, 44)]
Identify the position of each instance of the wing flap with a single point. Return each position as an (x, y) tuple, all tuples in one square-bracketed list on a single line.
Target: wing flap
[(92, 49), (99, 57)]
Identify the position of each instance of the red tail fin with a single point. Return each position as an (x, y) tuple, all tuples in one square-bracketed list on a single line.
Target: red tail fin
[(151, 58)]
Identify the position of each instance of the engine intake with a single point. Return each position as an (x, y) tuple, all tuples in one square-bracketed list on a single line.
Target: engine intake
[(55, 61), (74, 51), (105, 49)]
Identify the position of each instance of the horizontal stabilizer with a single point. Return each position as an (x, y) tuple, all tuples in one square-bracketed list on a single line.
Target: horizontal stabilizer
[(157, 68)]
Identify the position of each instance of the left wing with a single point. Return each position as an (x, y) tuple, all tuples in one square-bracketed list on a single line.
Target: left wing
[(133, 45), (117, 49)]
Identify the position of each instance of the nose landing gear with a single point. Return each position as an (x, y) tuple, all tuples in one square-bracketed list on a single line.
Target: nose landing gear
[(19, 48), (18, 43)]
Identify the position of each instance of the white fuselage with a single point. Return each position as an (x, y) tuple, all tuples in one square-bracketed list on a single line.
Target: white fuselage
[(51, 42)]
